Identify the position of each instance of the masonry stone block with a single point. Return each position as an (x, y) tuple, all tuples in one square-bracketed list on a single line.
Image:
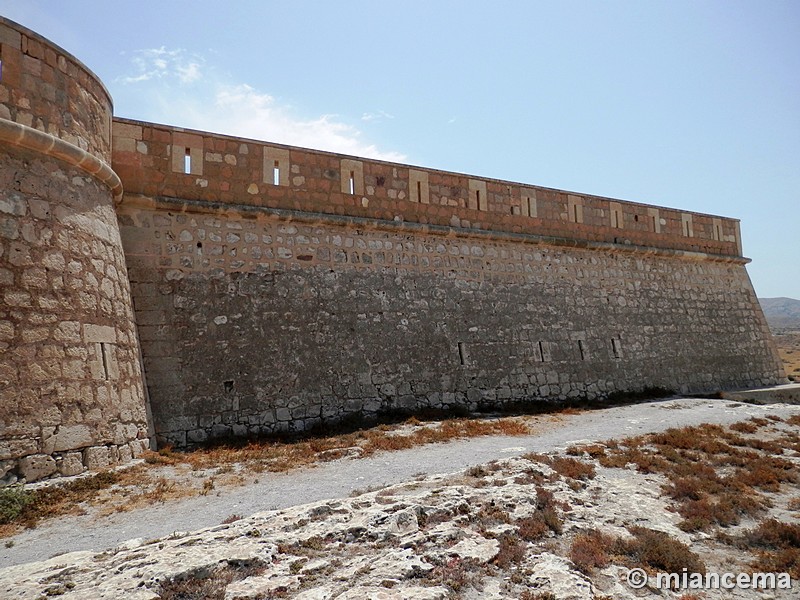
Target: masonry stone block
[(96, 457), (37, 466), (71, 463)]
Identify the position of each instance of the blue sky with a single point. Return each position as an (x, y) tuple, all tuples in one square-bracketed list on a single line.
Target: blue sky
[(687, 104)]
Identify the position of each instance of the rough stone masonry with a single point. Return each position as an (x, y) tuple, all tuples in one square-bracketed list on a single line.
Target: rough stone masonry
[(160, 285)]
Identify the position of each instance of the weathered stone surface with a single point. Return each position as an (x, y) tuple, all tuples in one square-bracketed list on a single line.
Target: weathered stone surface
[(71, 463), (96, 457), (36, 466), (72, 437), (558, 576)]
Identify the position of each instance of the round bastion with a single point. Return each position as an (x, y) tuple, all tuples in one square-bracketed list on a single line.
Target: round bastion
[(71, 390)]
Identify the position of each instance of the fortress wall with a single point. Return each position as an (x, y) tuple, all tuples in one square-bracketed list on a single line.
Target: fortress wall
[(152, 160), (255, 321), (71, 391)]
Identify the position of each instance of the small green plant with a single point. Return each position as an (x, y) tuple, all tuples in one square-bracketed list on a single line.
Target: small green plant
[(13, 500)]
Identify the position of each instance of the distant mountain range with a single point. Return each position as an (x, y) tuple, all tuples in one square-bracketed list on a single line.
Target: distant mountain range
[(781, 313)]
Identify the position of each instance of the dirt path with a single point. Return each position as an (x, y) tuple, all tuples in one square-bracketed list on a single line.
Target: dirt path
[(340, 478)]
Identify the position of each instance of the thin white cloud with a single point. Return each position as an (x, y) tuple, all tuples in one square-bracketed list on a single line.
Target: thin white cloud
[(166, 79), (163, 64), (376, 116)]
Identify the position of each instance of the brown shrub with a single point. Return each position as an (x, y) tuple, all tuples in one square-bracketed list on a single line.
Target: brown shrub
[(456, 573), (532, 528), (491, 514), (544, 498), (511, 551), (793, 420), (231, 519), (552, 520), (744, 427), (657, 550), (572, 468), (777, 546), (774, 534), (589, 550), (529, 595), (768, 473)]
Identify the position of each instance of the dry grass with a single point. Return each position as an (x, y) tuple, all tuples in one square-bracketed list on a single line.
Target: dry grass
[(281, 456), (205, 470)]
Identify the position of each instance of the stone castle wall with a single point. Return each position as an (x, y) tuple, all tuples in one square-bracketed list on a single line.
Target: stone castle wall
[(267, 288), (253, 324), (71, 392), (328, 287)]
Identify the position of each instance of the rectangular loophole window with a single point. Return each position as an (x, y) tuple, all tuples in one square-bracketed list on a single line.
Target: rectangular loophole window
[(104, 355), (419, 191), (616, 348), (686, 228), (352, 182), (276, 173), (582, 350), (544, 353), (481, 200), (462, 353), (187, 161)]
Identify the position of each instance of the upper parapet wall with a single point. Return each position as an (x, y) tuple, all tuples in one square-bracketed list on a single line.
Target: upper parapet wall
[(161, 161), (44, 87)]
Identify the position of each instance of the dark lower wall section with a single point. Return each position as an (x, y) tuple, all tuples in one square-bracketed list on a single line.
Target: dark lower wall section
[(252, 324)]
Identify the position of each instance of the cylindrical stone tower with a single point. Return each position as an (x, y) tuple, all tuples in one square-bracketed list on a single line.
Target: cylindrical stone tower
[(71, 393)]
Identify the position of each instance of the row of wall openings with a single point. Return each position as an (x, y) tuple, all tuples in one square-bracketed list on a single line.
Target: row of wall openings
[(544, 350), (480, 201), (529, 205)]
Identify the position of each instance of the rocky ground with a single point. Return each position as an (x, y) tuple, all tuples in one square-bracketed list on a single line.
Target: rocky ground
[(567, 524)]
